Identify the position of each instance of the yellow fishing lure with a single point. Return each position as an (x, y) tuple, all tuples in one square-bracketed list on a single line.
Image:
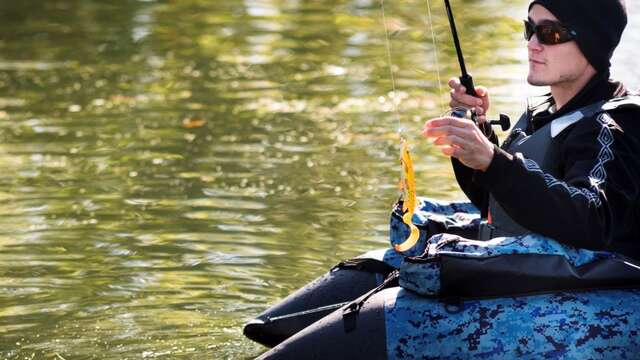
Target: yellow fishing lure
[(408, 186)]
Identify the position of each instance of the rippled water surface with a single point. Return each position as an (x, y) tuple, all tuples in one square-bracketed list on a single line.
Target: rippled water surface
[(170, 168)]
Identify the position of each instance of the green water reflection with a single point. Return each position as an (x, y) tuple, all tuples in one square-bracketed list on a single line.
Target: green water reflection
[(169, 168)]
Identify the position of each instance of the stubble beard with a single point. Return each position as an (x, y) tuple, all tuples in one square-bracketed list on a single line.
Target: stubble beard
[(536, 78), (562, 79), (536, 82), (533, 80)]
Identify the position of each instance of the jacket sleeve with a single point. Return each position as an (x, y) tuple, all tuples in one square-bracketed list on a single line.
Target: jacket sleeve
[(465, 176), (477, 194), (576, 209)]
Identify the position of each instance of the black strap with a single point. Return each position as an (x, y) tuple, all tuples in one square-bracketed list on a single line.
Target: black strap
[(320, 309), (351, 311)]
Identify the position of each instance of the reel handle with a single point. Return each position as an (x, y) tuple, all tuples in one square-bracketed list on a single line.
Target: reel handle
[(504, 122)]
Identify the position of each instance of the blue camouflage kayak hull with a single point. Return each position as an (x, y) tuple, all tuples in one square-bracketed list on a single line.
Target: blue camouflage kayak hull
[(597, 324), (588, 325), (396, 323)]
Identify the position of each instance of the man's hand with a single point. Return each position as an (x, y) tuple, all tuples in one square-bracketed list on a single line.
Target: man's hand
[(462, 139), (459, 98)]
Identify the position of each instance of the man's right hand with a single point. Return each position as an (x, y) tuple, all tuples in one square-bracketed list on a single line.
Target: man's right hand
[(459, 98)]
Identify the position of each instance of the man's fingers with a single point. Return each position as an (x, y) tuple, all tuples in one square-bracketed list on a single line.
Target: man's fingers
[(452, 151), (448, 121), (459, 97), (466, 99), (460, 135), (456, 104), (451, 140), (454, 83), (484, 94), (441, 131), (481, 91)]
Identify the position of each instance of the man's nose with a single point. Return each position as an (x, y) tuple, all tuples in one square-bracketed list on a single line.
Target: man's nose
[(533, 43)]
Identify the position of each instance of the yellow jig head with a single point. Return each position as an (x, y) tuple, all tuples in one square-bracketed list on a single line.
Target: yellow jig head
[(408, 186)]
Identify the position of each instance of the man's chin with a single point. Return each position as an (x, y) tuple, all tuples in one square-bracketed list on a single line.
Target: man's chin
[(536, 82)]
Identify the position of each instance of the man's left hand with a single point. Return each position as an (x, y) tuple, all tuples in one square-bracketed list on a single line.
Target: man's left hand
[(462, 139)]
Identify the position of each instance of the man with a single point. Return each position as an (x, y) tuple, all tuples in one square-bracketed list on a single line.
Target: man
[(570, 169)]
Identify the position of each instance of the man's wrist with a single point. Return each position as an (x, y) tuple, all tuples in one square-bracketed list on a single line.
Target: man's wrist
[(489, 158)]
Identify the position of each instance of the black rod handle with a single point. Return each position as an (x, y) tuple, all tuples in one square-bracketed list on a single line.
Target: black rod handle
[(467, 81)]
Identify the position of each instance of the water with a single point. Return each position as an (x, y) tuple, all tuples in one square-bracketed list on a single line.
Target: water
[(169, 169)]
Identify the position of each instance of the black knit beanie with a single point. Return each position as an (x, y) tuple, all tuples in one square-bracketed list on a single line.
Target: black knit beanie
[(598, 25)]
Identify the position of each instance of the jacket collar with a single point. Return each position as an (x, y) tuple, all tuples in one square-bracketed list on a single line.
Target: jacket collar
[(599, 88)]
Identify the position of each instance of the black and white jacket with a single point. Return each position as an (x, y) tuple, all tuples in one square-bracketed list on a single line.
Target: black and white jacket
[(591, 199)]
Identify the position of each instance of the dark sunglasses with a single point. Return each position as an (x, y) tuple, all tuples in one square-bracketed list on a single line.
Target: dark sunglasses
[(548, 32)]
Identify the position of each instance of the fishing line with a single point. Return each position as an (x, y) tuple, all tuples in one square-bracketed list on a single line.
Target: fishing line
[(407, 176), (390, 65), (435, 56)]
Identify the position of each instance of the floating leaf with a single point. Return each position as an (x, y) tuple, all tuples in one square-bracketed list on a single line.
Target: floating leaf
[(189, 123)]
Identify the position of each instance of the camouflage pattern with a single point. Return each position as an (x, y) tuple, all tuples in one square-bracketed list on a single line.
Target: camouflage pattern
[(523, 244), (588, 325), (453, 215), (424, 278), (603, 324)]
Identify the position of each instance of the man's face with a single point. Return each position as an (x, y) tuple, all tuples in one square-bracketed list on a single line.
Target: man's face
[(554, 65)]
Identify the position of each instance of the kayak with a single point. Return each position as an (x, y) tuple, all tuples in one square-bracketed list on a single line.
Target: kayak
[(357, 310), (397, 324)]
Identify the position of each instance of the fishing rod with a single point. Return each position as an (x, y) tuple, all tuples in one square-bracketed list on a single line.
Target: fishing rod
[(466, 79)]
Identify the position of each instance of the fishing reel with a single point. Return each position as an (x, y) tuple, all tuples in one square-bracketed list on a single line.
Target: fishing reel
[(461, 112)]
